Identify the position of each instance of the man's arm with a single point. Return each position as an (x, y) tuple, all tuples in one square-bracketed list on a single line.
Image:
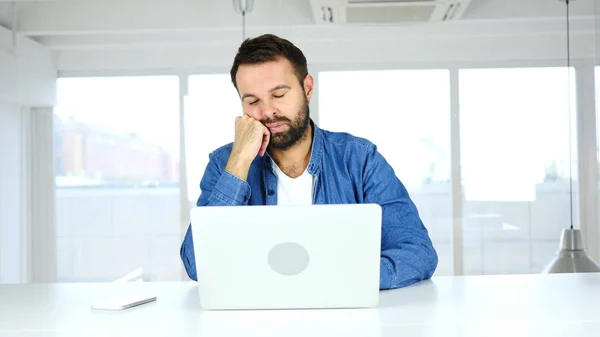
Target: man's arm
[(407, 253), (218, 188), (225, 184)]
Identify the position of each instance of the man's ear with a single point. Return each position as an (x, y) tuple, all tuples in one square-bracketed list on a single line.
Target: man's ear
[(309, 86)]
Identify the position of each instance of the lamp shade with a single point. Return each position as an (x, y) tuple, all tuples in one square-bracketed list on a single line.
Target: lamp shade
[(571, 258), (243, 6)]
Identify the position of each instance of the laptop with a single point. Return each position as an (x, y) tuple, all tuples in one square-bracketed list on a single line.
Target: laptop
[(287, 257)]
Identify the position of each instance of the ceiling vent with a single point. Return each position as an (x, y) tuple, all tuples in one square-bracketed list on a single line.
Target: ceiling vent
[(386, 11)]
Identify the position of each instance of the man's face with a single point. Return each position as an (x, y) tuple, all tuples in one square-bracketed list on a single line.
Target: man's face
[(272, 94)]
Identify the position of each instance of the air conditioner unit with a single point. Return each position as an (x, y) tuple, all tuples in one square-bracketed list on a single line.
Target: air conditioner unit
[(386, 11)]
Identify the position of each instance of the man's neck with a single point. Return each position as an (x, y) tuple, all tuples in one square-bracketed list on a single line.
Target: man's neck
[(294, 160)]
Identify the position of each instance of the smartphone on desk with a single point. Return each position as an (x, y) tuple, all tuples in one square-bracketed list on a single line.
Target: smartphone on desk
[(122, 303)]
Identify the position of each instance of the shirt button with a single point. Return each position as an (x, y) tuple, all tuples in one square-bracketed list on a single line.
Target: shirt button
[(271, 192)]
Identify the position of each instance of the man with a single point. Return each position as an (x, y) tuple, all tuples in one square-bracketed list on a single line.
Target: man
[(281, 157)]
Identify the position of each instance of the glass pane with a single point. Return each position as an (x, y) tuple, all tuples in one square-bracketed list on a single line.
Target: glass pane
[(210, 112), (515, 165), (406, 113), (117, 177)]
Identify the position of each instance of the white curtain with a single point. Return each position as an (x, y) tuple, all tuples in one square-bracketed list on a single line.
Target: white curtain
[(38, 196)]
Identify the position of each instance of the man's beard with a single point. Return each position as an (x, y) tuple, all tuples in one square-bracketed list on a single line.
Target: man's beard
[(296, 132)]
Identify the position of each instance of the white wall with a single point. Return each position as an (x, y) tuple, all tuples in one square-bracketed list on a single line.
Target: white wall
[(27, 78), (28, 72), (10, 193)]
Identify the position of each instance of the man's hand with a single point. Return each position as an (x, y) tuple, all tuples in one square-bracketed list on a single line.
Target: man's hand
[(251, 139)]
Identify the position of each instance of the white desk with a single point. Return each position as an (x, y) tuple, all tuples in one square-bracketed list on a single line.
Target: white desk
[(518, 305)]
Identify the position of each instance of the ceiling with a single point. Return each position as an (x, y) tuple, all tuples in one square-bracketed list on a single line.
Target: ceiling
[(73, 25)]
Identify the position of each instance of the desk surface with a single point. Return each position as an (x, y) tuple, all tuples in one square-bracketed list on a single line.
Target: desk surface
[(515, 305)]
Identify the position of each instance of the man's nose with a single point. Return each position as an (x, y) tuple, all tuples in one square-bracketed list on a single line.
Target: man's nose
[(268, 111)]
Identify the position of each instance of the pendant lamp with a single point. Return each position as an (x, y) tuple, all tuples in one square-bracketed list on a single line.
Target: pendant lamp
[(243, 7), (571, 257)]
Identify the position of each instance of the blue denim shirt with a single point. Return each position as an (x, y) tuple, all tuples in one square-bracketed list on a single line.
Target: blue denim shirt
[(347, 170)]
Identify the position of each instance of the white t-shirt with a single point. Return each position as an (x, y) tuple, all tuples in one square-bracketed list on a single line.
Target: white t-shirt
[(294, 191)]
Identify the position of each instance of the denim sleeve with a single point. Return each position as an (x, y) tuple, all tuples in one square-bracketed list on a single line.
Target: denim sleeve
[(407, 253), (217, 188)]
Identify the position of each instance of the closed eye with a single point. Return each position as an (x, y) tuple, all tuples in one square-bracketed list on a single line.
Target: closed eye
[(252, 103), (278, 96)]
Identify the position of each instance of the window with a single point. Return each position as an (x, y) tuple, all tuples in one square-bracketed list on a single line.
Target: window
[(117, 178), (211, 108), (406, 113), (515, 166)]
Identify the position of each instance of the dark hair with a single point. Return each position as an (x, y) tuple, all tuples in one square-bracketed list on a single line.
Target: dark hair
[(267, 48)]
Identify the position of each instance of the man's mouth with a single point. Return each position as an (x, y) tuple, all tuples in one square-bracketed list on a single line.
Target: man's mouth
[(276, 127)]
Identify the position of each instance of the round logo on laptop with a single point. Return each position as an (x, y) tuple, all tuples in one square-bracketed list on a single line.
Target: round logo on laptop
[(288, 258)]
